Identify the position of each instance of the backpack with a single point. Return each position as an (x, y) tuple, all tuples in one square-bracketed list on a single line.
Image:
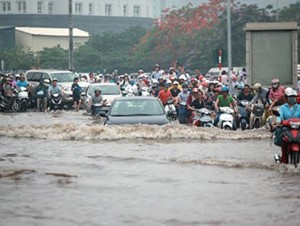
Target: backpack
[(278, 135)]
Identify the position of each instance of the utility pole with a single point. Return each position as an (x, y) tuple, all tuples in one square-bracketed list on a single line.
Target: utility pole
[(229, 44), (71, 35), (277, 10)]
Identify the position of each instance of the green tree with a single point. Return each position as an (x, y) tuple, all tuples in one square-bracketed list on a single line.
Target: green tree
[(16, 59), (53, 58)]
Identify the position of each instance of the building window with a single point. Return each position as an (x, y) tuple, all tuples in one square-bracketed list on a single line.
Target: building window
[(91, 9), (21, 7), (125, 10), (78, 8), (39, 7), (50, 7), (6, 7), (108, 9), (136, 10)]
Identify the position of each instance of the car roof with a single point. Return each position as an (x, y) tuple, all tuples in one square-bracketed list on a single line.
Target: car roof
[(136, 98), (48, 70)]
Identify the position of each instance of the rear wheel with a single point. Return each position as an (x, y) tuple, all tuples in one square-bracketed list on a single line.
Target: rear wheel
[(227, 128), (294, 158), (243, 125), (16, 105), (256, 124)]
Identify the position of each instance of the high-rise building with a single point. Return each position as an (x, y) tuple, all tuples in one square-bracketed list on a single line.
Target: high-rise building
[(126, 8)]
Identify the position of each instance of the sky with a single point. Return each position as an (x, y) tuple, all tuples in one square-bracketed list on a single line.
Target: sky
[(261, 3)]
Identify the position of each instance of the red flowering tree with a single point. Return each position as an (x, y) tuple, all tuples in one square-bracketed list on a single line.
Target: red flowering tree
[(175, 36)]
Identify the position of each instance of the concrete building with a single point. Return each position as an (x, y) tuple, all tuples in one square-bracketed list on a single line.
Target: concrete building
[(34, 39), (126, 8)]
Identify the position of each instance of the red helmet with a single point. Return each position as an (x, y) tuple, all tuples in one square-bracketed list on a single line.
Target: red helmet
[(201, 77), (172, 78)]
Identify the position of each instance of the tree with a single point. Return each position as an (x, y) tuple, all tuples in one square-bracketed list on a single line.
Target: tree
[(16, 59), (53, 58)]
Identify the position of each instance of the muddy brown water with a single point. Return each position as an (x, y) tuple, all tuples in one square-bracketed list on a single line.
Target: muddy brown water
[(157, 179)]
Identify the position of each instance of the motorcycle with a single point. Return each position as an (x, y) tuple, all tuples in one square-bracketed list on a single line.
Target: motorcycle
[(171, 110), (202, 117), (145, 92), (256, 116), (23, 97), (226, 120), (98, 109), (244, 114), (291, 140), (182, 112), (55, 102), (41, 101), (16, 103)]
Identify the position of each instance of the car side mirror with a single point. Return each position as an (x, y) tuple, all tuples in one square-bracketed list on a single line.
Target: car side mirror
[(47, 81)]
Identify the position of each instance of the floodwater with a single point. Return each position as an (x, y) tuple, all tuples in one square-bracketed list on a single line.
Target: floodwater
[(65, 169)]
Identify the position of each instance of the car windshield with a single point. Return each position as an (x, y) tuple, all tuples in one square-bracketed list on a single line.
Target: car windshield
[(136, 108), (105, 90), (64, 76)]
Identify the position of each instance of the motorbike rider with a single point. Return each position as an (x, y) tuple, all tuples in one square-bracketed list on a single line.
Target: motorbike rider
[(131, 87), (198, 103), (165, 94), (175, 90), (22, 82), (261, 94), (41, 87), (54, 88), (156, 74), (289, 110), (245, 94), (223, 100), (96, 99), (8, 91), (276, 91)]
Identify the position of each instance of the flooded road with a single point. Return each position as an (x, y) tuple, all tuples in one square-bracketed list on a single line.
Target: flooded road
[(48, 179)]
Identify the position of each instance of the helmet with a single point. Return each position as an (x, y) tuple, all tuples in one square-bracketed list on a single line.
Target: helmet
[(131, 82), (172, 78), (54, 79), (290, 92), (240, 86), (166, 85), (193, 80), (257, 86), (182, 77), (157, 65), (225, 89), (97, 90), (169, 81), (184, 85), (275, 81), (201, 77), (195, 90), (176, 83), (233, 77)]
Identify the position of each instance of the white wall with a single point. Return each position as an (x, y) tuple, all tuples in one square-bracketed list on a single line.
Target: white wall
[(37, 43)]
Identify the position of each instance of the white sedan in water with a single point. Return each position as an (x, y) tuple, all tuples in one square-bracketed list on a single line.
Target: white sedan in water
[(109, 91)]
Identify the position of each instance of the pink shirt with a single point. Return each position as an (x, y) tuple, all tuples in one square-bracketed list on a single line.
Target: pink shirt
[(277, 93)]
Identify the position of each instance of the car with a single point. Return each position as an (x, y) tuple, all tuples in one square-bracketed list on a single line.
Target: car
[(109, 92), (136, 110), (64, 80), (215, 71)]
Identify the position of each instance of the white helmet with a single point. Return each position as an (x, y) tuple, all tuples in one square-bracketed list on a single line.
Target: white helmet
[(289, 92), (182, 77)]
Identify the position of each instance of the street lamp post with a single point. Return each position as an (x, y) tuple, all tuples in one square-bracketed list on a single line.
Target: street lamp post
[(71, 35), (229, 44)]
